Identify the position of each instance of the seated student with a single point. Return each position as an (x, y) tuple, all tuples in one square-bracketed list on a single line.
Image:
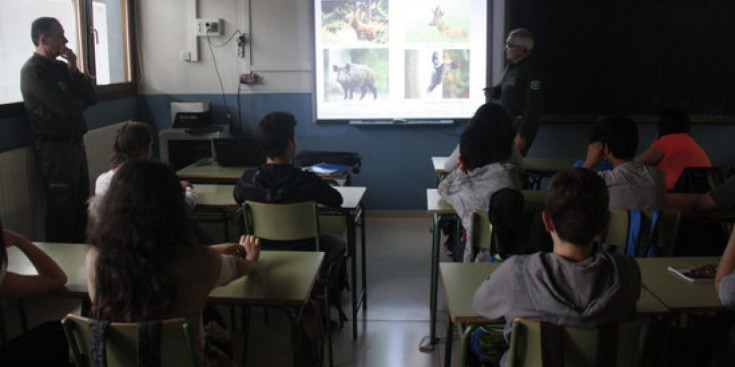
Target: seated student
[(144, 263), (674, 149), (278, 181), (23, 350), (631, 185), (575, 285), (484, 150), (452, 163), (725, 277), (595, 135), (134, 140)]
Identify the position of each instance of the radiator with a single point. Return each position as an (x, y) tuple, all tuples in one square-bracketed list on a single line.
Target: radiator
[(22, 204), (98, 143), (21, 194)]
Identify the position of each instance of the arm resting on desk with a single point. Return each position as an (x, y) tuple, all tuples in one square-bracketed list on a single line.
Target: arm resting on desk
[(727, 263), (50, 276)]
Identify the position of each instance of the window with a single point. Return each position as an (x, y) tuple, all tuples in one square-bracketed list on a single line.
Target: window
[(107, 56)]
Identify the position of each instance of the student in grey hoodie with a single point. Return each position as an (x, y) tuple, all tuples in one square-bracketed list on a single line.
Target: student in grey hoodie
[(484, 150), (575, 285)]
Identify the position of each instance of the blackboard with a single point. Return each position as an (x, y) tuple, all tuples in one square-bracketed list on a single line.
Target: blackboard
[(633, 57)]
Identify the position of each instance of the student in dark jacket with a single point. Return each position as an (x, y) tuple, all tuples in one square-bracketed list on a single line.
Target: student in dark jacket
[(278, 181)]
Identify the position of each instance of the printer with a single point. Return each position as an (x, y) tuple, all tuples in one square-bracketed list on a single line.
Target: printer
[(191, 114)]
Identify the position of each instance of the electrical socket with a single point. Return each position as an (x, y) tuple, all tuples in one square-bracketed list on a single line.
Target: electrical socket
[(208, 27)]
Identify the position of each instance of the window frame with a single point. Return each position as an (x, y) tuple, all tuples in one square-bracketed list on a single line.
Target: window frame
[(86, 55)]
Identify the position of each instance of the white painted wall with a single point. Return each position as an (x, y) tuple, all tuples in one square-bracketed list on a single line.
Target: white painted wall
[(280, 34)]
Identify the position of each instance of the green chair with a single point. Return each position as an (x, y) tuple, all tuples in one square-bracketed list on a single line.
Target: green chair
[(282, 222), (482, 232), (619, 229), (177, 344), (537, 344), (288, 222)]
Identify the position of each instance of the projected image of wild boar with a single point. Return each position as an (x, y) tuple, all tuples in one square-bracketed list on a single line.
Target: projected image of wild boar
[(356, 76)]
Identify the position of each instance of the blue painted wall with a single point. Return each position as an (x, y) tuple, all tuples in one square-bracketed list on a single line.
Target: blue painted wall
[(396, 159), (15, 132)]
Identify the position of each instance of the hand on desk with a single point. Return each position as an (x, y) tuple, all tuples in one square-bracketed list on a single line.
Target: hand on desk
[(251, 246)]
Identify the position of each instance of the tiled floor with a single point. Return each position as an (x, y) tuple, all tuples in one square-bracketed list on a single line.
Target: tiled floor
[(399, 250)]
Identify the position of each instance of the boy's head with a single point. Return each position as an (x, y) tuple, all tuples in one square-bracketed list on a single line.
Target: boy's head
[(577, 203), (619, 134), (488, 137), (672, 121), (133, 140), (275, 133)]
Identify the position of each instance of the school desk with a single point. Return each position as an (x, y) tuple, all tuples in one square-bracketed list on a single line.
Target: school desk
[(213, 173), (218, 200), (283, 279), (461, 280), (676, 293), (537, 168), (440, 209)]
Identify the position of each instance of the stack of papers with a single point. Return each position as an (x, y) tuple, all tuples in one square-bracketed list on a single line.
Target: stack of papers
[(328, 169), (704, 273)]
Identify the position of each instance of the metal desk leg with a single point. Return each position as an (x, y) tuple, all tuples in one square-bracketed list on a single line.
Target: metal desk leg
[(464, 337), (448, 344), (353, 265), (427, 343), (364, 262)]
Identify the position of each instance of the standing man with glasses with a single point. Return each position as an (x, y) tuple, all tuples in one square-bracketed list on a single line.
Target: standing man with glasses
[(55, 94), (520, 90)]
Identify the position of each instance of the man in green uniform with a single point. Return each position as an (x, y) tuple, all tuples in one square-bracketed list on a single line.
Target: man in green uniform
[(520, 89), (56, 94)]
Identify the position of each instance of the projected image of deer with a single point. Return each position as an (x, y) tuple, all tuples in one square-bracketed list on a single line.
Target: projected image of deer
[(355, 22), (445, 22), (356, 74)]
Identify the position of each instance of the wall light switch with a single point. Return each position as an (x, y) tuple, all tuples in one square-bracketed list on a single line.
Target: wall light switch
[(208, 27)]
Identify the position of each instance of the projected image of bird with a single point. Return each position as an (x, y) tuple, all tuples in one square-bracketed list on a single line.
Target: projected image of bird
[(441, 69)]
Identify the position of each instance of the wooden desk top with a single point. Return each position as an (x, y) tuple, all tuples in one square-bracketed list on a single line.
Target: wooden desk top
[(212, 171), (220, 196), (676, 293), (461, 280), (532, 164), (548, 165), (282, 277), (435, 203)]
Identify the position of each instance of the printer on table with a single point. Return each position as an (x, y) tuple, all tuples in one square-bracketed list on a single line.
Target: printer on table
[(194, 116)]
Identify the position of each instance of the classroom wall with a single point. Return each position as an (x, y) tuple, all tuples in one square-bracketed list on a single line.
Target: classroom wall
[(15, 132), (396, 160)]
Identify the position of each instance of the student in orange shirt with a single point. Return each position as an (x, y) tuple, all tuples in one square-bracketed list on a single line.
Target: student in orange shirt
[(674, 149)]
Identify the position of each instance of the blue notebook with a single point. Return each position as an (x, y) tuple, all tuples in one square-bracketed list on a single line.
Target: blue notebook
[(328, 169)]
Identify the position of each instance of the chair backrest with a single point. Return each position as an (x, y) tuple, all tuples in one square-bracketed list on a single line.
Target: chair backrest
[(538, 344), (282, 222), (122, 341), (482, 232), (699, 180), (631, 231)]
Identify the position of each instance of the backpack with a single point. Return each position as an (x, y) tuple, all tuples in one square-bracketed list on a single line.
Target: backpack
[(311, 349), (506, 216), (311, 157)]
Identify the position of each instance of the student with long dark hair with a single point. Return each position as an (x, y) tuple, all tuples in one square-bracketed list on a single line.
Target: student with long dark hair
[(145, 263), (135, 140), (22, 350)]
